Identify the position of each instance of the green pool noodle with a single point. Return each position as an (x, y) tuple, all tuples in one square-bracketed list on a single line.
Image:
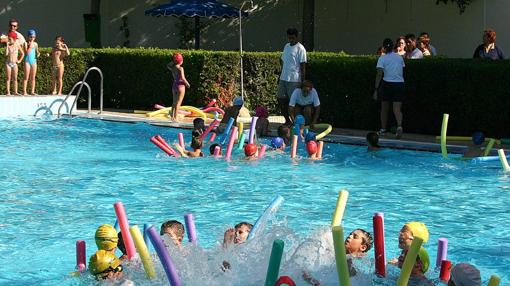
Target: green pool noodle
[(444, 127), (409, 261), (489, 147), (494, 281), (273, 269), (241, 142), (340, 257)]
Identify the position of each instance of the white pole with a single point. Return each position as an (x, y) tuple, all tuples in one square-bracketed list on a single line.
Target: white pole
[(241, 51)]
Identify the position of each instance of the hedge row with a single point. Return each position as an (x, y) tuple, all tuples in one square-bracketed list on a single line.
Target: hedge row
[(475, 93)]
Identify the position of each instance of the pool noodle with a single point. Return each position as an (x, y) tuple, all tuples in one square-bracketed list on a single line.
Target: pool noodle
[(157, 106), (444, 273), (81, 255), (190, 228), (273, 269), (444, 127), (294, 146), (160, 139), (227, 130), (338, 214), (241, 142), (260, 222), (209, 128), (211, 103), (116, 225), (161, 146), (340, 257), (212, 137), (230, 145), (252, 129), (145, 236), (380, 256), (489, 147), (468, 138), (240, 129), (487, 159), (164, 257), (262, 151), (180, 137), (442, 250), (217, 150), (215, 109), (143, 251), (124, 227), (494, 281), (321, 147), (409, 261), (503, 160)]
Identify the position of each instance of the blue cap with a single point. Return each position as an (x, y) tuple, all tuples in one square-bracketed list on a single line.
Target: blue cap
[(277, 142), (299, 120), (478, 138), (238, 101), (310, 136), (31, 32)]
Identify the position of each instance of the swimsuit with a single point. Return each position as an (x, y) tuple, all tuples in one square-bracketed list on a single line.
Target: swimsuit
[(11, 64), (30, 57), (178, 84)]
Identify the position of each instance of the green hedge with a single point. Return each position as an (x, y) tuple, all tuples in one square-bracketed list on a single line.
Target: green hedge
[(475, 93)]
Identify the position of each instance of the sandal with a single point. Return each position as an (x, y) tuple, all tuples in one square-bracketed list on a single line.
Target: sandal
[(399, 132), (382, 131)]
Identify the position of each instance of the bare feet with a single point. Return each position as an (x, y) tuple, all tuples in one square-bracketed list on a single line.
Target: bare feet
[(53, 92)]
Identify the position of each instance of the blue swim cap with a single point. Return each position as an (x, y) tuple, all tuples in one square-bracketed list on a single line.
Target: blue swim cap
[(277, 142), (310, 136), (238, 101), (299, 120), (31, 32), (478, 138)]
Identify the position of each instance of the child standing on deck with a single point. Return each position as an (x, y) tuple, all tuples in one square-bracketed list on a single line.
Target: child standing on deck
[(179, 85), (11, 62), (59, 51), (31, 49)]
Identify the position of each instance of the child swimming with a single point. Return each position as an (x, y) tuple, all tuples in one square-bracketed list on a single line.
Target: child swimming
[(250, 151), (284, 133), (12, 50), (212, 147), (31, 49), (476, 149), (238, 234), (373, 141), (465, 274), (196, 144), (278, 144), (311, 148), (179, 85), (59, 51), (105, 265), (174, 230), (106, 238), (262, 125)]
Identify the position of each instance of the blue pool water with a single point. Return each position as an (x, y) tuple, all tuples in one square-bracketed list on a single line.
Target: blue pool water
[(59, 180)]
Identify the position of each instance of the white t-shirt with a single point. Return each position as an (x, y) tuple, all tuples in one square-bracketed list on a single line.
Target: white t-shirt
[(292, 57), (20, 39), (393, 67), (416, 54), (298, 98)]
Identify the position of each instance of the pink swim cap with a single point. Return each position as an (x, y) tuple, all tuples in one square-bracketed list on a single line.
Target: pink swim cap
[(311, 147), (178, 59)]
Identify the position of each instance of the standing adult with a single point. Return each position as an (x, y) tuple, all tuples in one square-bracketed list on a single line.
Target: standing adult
[(432, 49), (13, 27), (389, 86), (489, 50), (293, 63), (412, 51)]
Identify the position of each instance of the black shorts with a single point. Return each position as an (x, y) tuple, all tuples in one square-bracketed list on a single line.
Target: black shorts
[(392, 91)]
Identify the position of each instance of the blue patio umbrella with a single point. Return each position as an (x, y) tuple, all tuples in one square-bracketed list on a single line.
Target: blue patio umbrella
[(196, 9)]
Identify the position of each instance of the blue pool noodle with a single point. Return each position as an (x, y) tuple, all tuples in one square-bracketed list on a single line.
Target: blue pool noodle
[(486, 159), (273, 206), (146, 236), (164, 257), (224, 137)]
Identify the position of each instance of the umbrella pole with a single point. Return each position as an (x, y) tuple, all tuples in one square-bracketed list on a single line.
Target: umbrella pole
[(197, 33), (241, 52)]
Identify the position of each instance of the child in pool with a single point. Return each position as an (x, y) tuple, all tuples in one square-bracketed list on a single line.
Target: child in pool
[(476, 149), (420, 267), (196, 144), (179, 85), (464, 274), (31, 49), (262, 125), (231, 112), (198, 126), (212, 147), (12, 51), (250, 151), (311, 148), (105, 265), (59, 51), (238, 234), (106, 238), (278, 144), (174, 230), (284, 133), (406, 236), (121, 246), (299, 127), (373, 141)]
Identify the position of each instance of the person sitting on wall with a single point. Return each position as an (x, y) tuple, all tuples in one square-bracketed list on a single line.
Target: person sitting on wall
[(305, 101)]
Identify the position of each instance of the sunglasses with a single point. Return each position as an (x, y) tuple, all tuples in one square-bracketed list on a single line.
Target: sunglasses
[(111, 269), (15, 26)]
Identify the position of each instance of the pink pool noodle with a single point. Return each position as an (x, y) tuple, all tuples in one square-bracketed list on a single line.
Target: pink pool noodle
[(294, 146), (217, 150), (209, 128), (180, 136), (319, 151), (162, 146), (233, 136), (444, 274), (262, 151), (190, 228), (380, 259), (212, 137), (157, 106), (81, 256), (210, 104), (124, 227), (252, 129), (160, 139), (217, 109), (442, 250)]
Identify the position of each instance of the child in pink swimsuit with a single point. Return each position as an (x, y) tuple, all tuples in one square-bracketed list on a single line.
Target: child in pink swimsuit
[(179, 85)]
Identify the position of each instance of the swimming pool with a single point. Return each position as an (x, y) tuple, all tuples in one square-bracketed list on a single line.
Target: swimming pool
[(60, 178)]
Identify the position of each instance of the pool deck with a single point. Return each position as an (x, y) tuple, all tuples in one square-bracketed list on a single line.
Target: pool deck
[(409, 141)]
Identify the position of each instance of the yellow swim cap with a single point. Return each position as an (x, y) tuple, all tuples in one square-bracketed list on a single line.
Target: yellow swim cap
[(101, 261), (424, 258), (418, 229), (106, 237)]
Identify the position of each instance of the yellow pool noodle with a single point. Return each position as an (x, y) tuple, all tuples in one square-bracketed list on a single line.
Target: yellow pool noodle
[(444, 126), (409, 261), (504, 161), (340, 208), (141, 247), (489, 147), (240, 128), (340, 257), (494, 281), (466, 138), (161, 111)]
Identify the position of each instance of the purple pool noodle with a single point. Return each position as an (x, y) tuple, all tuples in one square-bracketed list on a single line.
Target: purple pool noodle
[(442, 250), (164, 257), (190, 228), (252, 129)]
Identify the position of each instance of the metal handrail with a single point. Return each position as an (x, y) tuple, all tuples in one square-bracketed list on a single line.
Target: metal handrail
[(76, 99)]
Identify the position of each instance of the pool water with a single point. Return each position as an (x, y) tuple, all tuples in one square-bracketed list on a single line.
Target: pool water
[(60, 179)]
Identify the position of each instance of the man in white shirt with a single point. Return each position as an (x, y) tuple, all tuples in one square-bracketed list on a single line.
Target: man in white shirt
[(305, 101), (412, 51), (293, 63), (13, 27)]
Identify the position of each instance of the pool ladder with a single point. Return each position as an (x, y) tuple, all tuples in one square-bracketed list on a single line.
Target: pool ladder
[(80, 85)]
